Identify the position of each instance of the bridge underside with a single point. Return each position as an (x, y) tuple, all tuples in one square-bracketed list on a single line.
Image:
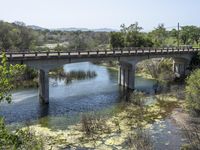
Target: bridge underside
[(126, 76)]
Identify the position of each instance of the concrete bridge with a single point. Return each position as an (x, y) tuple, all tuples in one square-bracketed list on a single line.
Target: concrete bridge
[(127, 57)]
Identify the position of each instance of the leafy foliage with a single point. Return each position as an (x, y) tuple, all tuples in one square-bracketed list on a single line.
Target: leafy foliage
[(193, 91), (116, 39), (130, 36), (7, 74), (18, 36), (20, 139), (161, 70), (159, 35)]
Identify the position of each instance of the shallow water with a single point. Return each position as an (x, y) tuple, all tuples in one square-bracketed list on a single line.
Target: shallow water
[(101, 94), (96, 94)]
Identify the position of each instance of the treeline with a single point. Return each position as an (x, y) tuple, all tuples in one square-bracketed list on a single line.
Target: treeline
[(132, 36), (19, 37)]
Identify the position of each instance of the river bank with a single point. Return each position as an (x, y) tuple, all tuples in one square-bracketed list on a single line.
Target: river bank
[(93, 114), (114, 132)]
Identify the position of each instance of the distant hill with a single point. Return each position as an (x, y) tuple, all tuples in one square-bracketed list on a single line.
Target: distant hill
[(35, 27), (86, 29), (73, 29)]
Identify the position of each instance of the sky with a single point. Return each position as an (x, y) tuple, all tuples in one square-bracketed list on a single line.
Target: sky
[(101, 13)]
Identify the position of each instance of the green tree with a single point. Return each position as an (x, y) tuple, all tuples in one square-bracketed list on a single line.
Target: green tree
[(185, 34), (20, 139), (195, 34), (193, 91), (159, 35), (116, 39), (130, 36), (5, 35), (7, 75)]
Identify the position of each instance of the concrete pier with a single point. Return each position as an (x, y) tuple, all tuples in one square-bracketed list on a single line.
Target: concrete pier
[(43, 86), (180, 67), (126, 75)]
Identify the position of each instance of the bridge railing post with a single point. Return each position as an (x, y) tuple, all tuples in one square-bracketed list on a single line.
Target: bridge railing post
[(184, 49), (142, 50), (113, 52), (35, 54), (160, 50), (172, 49), (10, 56)]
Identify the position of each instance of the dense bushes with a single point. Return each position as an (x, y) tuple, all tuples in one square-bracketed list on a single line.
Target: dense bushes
[(193, 91), (19, 139)]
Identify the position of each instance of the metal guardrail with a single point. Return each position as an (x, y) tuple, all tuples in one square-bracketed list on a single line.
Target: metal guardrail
[(96, 53)]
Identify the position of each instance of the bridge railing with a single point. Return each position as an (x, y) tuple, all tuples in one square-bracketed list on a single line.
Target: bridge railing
[(96, 52)]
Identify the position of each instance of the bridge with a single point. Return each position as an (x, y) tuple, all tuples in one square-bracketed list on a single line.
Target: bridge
[(127, 57)]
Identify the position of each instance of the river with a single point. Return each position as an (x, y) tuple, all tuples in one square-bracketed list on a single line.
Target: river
[(101, 94)]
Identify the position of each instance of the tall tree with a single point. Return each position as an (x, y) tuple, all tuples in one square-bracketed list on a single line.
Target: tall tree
[(159, 35), (185, 34), (195, 34), (7, 75), (193, 91), (116, 39)]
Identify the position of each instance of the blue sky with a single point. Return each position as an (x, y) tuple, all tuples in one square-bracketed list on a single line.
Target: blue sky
[(101, 13)]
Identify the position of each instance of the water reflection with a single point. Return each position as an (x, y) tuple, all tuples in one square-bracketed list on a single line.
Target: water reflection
[(67, 102)]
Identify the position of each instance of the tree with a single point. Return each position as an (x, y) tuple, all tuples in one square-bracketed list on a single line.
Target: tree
[(185, 34), (5, 35), (130, 36), (7, 75), (195, 34), (159, 35), (116, 39), (20, 139), (161, 70), (193, 91), (17, 36)]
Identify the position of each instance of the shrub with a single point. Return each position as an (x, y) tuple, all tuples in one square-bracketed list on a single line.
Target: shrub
[(140, 141), (193, 91), (19, 140), (92, 125)]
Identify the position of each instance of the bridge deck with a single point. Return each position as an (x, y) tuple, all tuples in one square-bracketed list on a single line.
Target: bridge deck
[(105, 53)]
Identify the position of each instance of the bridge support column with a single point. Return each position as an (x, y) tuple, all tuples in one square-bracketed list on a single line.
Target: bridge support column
[(44, 86), (126, 75), (179, 68)]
